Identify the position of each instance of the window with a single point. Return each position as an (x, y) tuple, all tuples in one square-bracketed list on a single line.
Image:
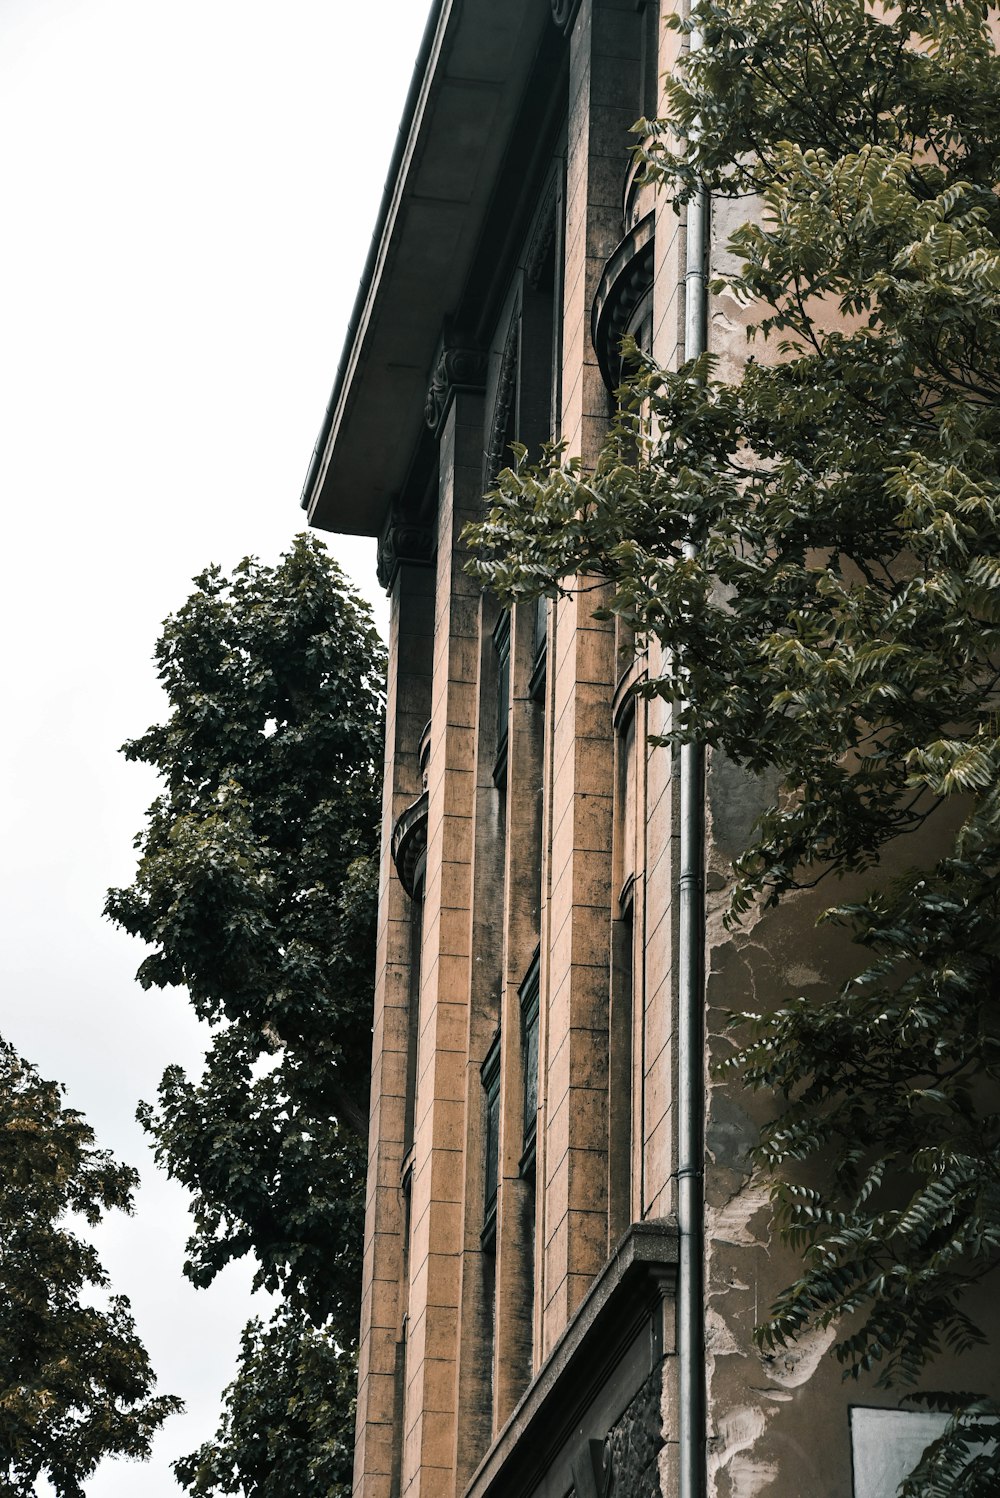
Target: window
[(491, 1135), (540, 635), (528, 993), (501, 644)]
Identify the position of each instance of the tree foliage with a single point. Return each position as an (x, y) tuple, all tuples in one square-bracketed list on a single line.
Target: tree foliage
[(75, 1380), (255, 889), (283, 1429), (838, 623)]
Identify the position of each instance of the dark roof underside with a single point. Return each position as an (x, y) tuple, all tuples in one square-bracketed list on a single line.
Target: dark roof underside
[(462, 111)]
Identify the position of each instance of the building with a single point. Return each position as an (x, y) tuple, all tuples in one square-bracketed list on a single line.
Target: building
[(524, 1330)]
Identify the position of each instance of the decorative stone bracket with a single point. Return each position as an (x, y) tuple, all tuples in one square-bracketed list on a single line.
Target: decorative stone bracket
[(456, 368), (403, 539)]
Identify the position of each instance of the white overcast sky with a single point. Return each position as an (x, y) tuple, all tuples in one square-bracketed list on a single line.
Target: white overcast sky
[(188, 188)]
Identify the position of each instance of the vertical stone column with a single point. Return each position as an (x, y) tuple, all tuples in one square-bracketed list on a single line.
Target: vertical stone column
[(603, 93), (411, 627), (439, 1138)]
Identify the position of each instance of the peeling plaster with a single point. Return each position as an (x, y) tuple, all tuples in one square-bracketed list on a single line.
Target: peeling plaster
[(748, 1478), (791, 1367), (800, 976), (738, 1432), (719, 1340), (733, 1222)]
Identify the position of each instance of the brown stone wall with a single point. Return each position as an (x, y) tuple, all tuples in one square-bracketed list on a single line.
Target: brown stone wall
[(407, 708)]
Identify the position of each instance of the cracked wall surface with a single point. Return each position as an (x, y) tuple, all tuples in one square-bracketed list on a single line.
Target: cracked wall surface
[(779, 1420)]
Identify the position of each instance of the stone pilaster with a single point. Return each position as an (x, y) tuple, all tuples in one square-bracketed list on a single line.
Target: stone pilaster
[(430, 1405), (383, 1304)]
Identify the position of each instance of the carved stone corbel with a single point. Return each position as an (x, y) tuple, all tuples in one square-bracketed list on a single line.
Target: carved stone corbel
[(457, 367), (404, 538)]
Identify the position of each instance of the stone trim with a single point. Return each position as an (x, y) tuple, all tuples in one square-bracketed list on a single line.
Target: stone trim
[(506, 386)]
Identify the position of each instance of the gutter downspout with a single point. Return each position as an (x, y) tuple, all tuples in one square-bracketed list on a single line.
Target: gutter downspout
[(692, 1418)]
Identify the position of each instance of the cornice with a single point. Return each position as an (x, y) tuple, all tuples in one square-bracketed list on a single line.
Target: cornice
[(625, 1309)]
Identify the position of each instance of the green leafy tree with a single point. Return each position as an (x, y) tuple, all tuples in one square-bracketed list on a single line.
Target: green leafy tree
[(836, 624), (255, 889), (75, 1380), (283, 1427)]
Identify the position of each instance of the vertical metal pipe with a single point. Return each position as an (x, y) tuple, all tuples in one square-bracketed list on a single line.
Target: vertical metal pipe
[(692, 1431)]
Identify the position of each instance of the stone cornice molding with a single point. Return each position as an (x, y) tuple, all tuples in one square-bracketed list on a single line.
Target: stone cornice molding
[(564, 14), (457, 367), (541, 243), (404, 538)]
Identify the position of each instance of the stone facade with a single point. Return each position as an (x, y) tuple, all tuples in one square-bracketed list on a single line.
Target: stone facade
[(520, 1263)]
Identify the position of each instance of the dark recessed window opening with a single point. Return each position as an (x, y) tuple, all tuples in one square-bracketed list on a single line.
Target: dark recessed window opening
[(529, 1041), (491, 1131)]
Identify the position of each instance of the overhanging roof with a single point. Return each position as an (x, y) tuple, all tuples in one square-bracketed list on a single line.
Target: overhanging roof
[(475, 62)]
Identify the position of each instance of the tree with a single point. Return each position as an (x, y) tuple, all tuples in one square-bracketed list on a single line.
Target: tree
[(75, 1380), (283, 1414), (838, 624), (255, 889)]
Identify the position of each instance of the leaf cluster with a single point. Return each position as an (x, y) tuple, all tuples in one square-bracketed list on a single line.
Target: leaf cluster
[(75, 1380)]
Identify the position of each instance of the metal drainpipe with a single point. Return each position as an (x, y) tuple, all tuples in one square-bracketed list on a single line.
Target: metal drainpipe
[(692, 1426)]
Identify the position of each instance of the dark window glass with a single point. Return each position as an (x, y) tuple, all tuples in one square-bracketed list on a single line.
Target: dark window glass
[(541, 624), (529, 1037), (501, 641), (491, 1090)]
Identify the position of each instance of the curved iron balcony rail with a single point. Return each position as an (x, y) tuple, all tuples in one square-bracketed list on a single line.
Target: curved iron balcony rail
[(409, 840), (625, 281)]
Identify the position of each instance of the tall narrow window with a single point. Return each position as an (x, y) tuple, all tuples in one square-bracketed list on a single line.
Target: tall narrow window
[(627, 782), (540, 636), (501, 643), (491, 1138), (529, 1041), (622, 1017), (413, 1014)]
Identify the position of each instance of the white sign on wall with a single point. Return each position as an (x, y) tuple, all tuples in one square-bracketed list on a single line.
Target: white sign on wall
[(886, 1445)]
